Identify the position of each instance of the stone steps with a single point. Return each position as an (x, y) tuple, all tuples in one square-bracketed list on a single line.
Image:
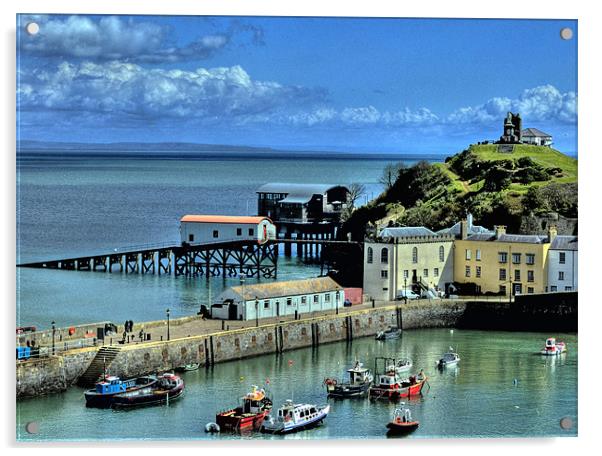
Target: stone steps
[(96, 369)]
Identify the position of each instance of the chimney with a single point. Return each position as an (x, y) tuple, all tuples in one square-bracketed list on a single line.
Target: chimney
[(552, 232), (463, 229), (469, 220), (499, 230)]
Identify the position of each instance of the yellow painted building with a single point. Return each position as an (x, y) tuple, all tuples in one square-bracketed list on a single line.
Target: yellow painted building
[(503, 263)]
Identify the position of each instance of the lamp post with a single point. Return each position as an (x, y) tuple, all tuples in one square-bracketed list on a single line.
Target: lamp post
[(336, 298), (256, 312), (405, 290), (167, 312), (53, 333), (242, 284)]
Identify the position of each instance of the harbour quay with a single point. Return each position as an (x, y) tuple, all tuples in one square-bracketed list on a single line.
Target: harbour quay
[(210, 345)]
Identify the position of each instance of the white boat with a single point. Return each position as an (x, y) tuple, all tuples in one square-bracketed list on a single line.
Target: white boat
[(553, 348), (450, 358), (403, 365), (391, 333), (294, 417)]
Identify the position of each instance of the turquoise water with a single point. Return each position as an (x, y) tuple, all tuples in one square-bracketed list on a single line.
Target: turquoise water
[(478, 398), (68, 207)]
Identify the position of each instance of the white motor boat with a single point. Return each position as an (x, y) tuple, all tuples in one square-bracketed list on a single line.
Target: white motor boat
[(294, 417), (553, 348), (403, 365), (450, 358)]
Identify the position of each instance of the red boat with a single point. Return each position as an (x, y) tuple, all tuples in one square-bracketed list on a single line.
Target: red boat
[(390, 385), (402, 423), (247, 416)]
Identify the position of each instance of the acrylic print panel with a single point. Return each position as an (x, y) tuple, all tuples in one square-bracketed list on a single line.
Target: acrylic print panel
[(281, 228)]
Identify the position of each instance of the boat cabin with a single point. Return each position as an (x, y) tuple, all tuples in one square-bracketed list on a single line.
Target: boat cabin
[(551, 342), (296, 412), (359, 374), (113, 385), (253, 402)]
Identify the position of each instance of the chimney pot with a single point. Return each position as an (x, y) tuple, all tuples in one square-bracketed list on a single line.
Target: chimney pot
[(463, 229)]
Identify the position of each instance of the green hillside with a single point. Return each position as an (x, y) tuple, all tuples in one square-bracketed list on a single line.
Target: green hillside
[(498, 185)]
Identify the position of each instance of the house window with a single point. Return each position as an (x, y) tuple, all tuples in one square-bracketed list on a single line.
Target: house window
[(303, 299), (516, 258), (553, 288), (266, 304), (468, 254), (502, 274), (215, 233), (503, 257), (327, 297), (406, 273), (441, 254), (530, 258), (467, 271), (478, 255), (191, 238), (530, 290), (478, 272), (562, 257), (568, 288), (384, 256), (530, 276), (560, 275), (239, 231), (370, 255), (436, 272), (384, 274), (289, 302), (425, 273), (503, 289), (517, 275), (316, 297), (251, 231), (415, 255)]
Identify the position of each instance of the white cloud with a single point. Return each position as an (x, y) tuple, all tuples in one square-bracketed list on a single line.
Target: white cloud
[(542, 103), (114, 38)]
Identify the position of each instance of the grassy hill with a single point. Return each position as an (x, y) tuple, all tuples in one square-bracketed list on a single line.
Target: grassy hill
[(498, 185)]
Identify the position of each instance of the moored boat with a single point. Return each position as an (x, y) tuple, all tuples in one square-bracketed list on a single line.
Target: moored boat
[(247, 416), (402, 422), (168, 387), (105, 391), (188, 367), (360, 379), (389, 384), (294, 417), (391, 333), (450, 358), (403, 365), (553, 348)]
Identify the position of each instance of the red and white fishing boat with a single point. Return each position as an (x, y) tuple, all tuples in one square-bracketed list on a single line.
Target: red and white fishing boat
[(247, 416), (553, 348), (389, 384)]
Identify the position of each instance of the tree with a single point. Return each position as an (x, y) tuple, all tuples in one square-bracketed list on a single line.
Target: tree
[(390, 174), (355, 192)]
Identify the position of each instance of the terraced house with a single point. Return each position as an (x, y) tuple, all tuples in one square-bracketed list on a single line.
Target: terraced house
[(503, 263)]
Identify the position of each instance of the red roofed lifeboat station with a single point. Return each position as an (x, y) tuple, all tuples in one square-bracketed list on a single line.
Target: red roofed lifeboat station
[(208, 229)]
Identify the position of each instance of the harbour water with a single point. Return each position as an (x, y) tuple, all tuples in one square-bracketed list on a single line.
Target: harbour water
[(501, 387), (74, 206)]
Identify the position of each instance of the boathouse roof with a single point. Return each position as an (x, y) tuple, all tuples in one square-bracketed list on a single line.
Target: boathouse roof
[(224, 219), (534, 132), (564, 243), (297, 190), (286, 288)]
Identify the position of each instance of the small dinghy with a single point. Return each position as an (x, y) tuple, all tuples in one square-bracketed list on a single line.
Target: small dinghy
[(212, 428), (391, 333), (294, 417), (403, 365), (553, 348), (402, 422), (450, 358), (188, 367)]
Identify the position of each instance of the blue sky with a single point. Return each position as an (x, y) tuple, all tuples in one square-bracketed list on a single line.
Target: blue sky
[(369, 85)]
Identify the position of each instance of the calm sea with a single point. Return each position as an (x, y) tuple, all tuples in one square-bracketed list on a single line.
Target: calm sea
[(500, 388), (73, 206)]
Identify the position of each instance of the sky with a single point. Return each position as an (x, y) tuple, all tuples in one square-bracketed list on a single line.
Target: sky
[(340, 84)]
